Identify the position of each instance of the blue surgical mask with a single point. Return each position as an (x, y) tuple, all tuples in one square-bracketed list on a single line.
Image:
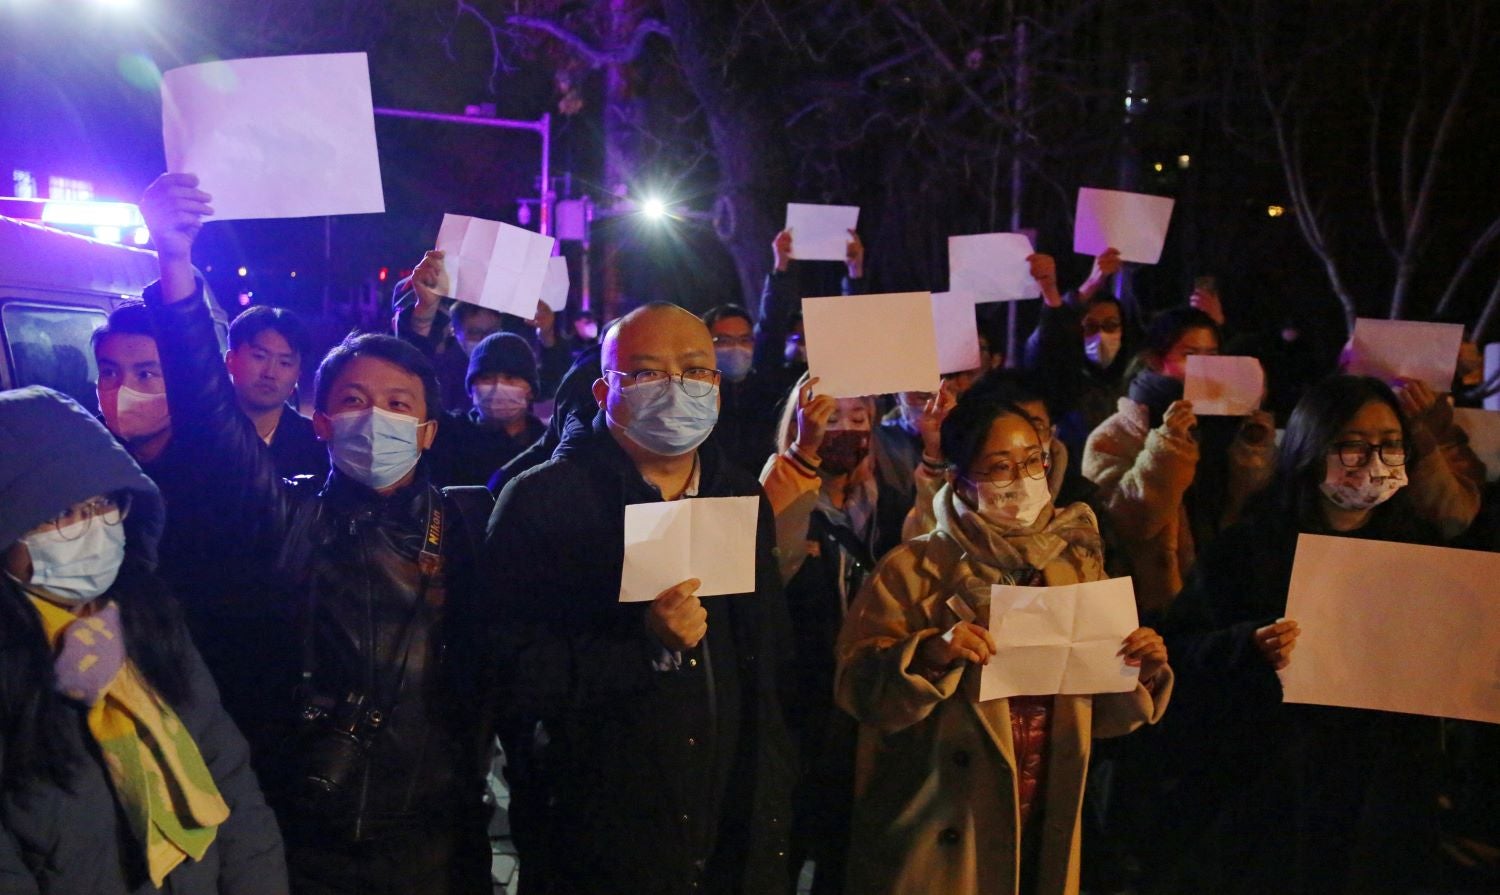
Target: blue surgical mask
[(76, 564), (734, 361), (666, 420), (375, 447)]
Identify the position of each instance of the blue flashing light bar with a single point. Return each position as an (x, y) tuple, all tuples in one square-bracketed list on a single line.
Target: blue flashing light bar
[(76, 213)]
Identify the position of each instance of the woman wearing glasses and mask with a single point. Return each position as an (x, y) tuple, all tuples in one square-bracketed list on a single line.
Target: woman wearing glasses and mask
[(119, 770), (1297, 798), (954, 795)]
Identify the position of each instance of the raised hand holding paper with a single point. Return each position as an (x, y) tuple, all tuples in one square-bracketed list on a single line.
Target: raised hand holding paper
[(1406, 349), (708, 538), (992, 266), (871, 344), (494, 265), (1134, 223), (1224, 385), (820, 232), (1395, 627), (275, 137), (957, 331), (1060, 640)]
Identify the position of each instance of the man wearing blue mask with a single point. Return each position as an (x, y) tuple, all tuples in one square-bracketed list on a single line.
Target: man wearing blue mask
[(644, 741), (750, 396), (364, 641)]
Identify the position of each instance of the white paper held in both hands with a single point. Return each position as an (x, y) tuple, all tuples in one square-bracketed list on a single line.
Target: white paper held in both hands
[(871, 344), (820, 232), (1061, 640), (1406, 349), (708, 538), (992, 266), (275, 137), (1224, 385), (494, 265), (1134, 223), (1395, 627)]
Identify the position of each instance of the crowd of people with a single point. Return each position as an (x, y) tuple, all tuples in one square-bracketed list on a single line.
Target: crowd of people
[(248, 651)]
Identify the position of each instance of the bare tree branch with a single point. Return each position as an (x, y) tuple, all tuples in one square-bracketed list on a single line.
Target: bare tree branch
[(597, 57), (1490, 234)]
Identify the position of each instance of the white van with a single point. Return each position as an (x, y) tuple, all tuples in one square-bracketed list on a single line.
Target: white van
[(56, 288)]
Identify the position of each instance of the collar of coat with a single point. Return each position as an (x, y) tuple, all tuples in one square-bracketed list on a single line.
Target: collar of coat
[(1072, 526)]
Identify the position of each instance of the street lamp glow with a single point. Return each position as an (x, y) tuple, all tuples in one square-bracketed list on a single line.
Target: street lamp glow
[(1275, 211), (654, 209), (243, 271)]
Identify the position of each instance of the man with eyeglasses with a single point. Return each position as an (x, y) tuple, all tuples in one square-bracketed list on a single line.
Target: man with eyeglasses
[(645, 745)]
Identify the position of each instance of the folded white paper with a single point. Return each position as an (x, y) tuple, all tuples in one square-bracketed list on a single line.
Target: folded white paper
[(1406, 349), (1483, 429), (957, 331), (494, 265), (992, 266), (820, 232), (708, 538), (871, 344), (1134, 223), (1060, 640), (1224, 385), (1396, 627), (275, 137), (555, 284)]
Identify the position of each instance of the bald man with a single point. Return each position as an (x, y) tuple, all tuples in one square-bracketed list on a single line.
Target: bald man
[(644, 742)]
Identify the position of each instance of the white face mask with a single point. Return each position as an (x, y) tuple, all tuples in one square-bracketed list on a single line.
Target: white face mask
[(133, 415), (375, 447), (1363, 487), (1102, 347), (500, 402), (1016, 505), (77, 563)]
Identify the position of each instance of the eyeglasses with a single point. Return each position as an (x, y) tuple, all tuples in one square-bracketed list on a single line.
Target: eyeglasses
[(1090, 328), (1004, 472), (1354, 454), (734, 341), (109, 510), (697, 382)]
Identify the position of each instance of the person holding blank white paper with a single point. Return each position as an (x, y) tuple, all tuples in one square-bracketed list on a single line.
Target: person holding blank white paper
[(942, 780), (781, 301), (644, 741), (1296, 798), (1170, 480)]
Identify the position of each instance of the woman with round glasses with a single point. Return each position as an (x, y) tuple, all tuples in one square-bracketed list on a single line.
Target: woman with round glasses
[(954, 795), (1296, 798), (119, 770)]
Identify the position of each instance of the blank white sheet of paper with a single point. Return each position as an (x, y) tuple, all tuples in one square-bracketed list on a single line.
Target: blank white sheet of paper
[(1406, 349), (1483, 429), (957, 331), (1224, 385), (1396, 627), (1060, 640), (275, 137), (708, 538), (871, 344), (555, 284), (494, 265), (992, 266), (820, 232), (1134, 223)]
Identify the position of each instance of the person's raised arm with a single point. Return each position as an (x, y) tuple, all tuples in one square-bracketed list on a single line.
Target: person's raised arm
[(174, 209), (1106, 265)]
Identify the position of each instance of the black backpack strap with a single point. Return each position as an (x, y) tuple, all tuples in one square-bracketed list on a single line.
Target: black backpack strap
[(473, 503)]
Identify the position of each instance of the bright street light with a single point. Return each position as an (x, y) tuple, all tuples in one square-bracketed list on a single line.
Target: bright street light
[(654, 209)]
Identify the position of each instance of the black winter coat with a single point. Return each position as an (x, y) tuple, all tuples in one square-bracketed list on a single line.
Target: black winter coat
[(629, 778)]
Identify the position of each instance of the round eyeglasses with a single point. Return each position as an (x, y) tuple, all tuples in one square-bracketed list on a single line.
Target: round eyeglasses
[(73, 522), (1006, 472)]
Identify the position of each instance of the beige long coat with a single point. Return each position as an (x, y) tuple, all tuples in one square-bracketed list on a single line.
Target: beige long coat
[(935, 807)]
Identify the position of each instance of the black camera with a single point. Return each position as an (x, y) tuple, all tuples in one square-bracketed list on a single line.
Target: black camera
[(330, 751)]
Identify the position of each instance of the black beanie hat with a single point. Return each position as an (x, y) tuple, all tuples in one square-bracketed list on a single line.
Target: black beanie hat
[(54, 454), (505, 353)]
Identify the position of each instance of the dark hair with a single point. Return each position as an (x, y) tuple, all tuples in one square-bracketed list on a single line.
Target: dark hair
[(1014, 386), (968, 425), (33, 716), (991, 326), (256, 320), (383, 347), (1105, 298), (462, 309), (129, 319), (1325, 409), (723, 312), (1168, 327)]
